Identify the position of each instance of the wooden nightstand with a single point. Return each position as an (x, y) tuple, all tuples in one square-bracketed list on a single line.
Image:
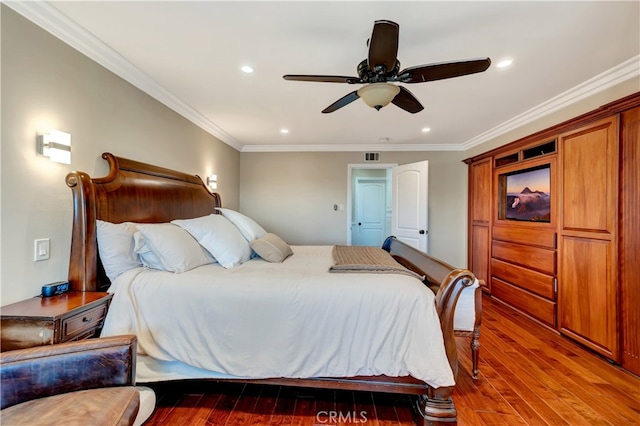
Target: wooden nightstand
[(48, 320)]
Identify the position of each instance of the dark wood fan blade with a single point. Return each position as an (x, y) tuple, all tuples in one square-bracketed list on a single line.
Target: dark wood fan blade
[(322, 78), (440, 71), (405, 100), (383, 45), (343, 101)]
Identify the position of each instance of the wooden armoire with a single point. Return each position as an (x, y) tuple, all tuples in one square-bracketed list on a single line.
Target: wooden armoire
[(554, 228)]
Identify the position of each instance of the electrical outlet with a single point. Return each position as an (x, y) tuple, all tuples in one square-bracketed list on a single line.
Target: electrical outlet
[(41, 249)]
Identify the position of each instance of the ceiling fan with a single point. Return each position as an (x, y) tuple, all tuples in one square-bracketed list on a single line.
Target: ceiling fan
[(382, 67)]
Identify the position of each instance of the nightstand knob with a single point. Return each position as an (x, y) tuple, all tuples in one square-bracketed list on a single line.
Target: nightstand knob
[(85, 319)]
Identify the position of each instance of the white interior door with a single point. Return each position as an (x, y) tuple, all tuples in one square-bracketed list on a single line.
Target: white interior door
[(370, 212), (409, 216)]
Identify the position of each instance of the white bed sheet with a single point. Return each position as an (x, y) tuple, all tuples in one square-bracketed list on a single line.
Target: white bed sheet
[(291, 319)]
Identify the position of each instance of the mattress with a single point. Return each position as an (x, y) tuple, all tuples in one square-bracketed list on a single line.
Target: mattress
[(270, 320)]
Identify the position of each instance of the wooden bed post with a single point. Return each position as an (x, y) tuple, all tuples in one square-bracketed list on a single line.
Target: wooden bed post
[(83, 262), (475, 338), (436, 407)]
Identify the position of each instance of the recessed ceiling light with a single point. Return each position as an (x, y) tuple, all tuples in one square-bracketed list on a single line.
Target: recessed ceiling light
[(284, 131), (246, 69), (426, 129), (504, 63)]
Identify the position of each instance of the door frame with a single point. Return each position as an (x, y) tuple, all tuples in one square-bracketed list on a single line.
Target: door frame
[(350, 167)]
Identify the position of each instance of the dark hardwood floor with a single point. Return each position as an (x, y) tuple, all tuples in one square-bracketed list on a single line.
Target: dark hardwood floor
[(529, 375)]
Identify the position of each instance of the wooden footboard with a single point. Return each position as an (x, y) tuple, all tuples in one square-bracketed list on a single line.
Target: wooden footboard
[(436, 406), (139, 192), (448, 281)]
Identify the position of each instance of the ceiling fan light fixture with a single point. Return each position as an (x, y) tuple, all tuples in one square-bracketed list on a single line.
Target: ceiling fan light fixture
[(378, 95)]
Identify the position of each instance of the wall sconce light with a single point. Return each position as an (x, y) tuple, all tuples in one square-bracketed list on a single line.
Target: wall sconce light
[(56, 145), (212, 182)]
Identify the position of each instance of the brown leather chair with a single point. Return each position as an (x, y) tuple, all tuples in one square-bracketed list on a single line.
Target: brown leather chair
[(76, 383)]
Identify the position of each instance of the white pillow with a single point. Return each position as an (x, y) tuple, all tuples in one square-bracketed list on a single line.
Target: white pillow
[(219, 237), (248, 227), (116, 247), (177, 250), (147, 256)]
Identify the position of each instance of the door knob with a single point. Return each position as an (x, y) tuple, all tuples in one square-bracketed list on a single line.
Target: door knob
[(422, 232), (359, 223)]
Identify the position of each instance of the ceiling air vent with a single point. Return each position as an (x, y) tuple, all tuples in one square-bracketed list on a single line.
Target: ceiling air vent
[(371, 156)]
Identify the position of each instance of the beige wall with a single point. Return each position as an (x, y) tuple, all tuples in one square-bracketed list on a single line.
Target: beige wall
[(292, 195), (46, 84)]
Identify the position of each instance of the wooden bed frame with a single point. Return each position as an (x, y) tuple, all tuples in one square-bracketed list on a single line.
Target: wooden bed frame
[(139, 192)]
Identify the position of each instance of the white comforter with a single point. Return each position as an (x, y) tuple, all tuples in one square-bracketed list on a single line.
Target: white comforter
[(294, 319)]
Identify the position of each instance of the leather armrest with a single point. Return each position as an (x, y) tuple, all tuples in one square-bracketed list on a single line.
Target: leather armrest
[(43, 371)]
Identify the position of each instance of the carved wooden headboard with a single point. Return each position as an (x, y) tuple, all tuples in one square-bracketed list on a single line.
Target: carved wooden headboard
[(131, 192)]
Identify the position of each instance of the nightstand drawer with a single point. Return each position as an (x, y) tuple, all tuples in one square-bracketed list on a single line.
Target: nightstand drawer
[(83, 322)]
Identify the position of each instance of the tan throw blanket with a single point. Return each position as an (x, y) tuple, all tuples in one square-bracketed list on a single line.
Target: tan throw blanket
[(372, 260)]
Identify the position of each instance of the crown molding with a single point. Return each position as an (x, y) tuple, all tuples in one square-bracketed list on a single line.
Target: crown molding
[(48, 17), (349, 148), (625, 71)]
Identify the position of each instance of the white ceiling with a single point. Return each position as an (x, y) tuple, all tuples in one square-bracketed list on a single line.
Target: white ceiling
[(188, 55)]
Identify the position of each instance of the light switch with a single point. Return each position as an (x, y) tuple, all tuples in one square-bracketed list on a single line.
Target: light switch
[(41, 249)]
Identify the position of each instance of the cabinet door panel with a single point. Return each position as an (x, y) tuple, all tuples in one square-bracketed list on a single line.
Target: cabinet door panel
[(586, 295), (480, 181), (588, 169), (588, 244), (480, 202), (480, 253)]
